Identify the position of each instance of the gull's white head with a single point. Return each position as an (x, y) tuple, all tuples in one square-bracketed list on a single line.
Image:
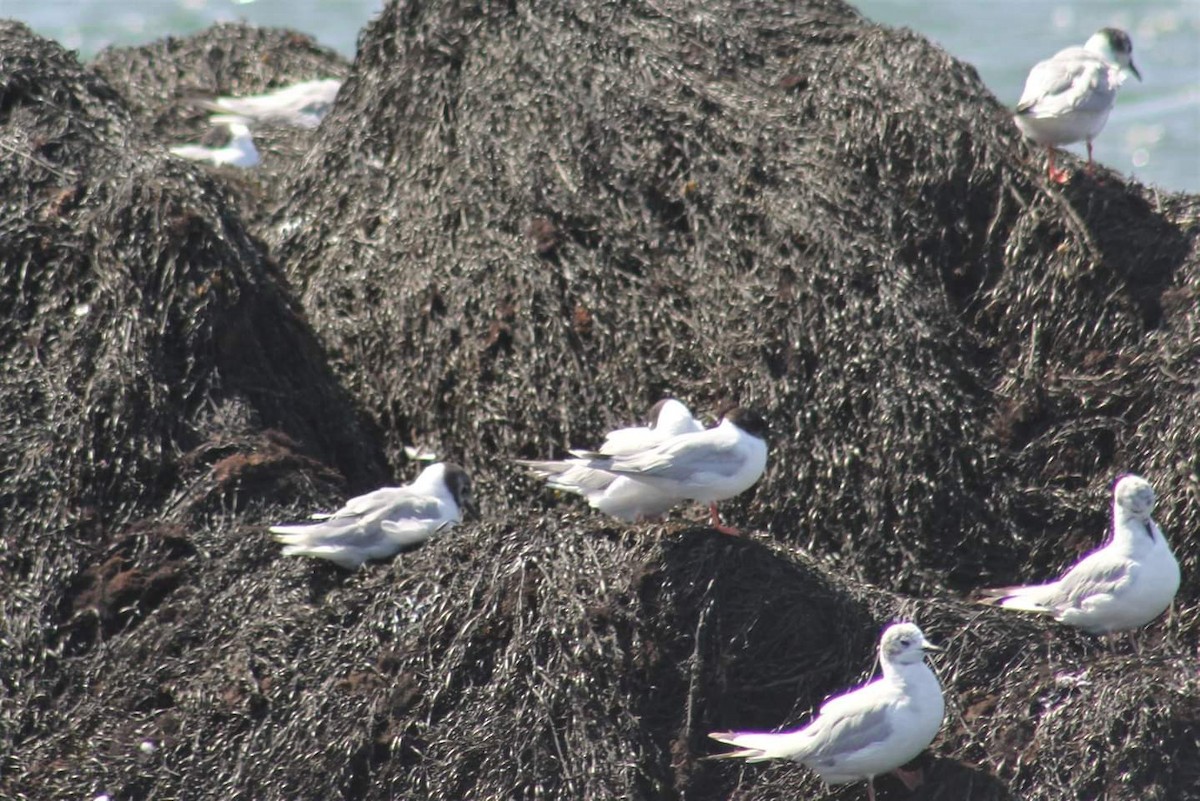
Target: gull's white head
[(1134, 495), (1114, 46), (904, 644)]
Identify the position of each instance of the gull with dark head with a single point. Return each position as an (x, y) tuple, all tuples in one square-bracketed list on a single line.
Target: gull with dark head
[(382, 523), (615, 495), (238, 151), (706, 466), (874, 729), (1123, 585), (1068, 97)]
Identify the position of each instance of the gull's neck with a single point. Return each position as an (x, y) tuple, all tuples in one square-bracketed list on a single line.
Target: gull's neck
[(1133, 531), (902, 673)]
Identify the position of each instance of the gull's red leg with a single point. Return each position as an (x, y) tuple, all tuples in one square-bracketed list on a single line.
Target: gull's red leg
[(715, 522), (1056, 175)]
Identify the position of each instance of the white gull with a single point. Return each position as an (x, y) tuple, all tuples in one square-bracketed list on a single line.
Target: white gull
[(1068, 97), (706, 466), (301, 105), (238, 152), (620, 496), (381, 523), (1123, 585), (874, 729)]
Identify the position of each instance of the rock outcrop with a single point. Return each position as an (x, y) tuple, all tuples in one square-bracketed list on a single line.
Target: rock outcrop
[(522, 224)]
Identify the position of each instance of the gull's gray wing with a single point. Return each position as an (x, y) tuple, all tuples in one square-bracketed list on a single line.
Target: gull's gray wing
[(1079, 82), (569, 476), (1047, 79), (412, 507), (681, 458), (838, 733), (1100, 573), (387, 503), (405, 517), (366, 505)]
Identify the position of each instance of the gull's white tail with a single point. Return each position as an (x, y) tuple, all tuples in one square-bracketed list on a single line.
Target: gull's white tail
[(1027, 598), (754, 746)]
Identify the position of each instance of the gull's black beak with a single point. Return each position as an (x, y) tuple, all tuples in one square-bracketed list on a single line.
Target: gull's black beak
[(1134, 70)]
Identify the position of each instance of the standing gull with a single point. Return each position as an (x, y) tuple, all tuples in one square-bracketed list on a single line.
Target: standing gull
[(706, 466), (619, 496), (871, 730), (1068, 97), (381, 523), (1123, 585)]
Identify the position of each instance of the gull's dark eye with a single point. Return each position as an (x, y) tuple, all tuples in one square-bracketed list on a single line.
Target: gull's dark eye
[(906, 642)]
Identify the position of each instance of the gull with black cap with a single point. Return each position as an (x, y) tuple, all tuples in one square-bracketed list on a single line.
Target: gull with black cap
[(620, 496), (382, 523), (1068, 97), (706, 466)]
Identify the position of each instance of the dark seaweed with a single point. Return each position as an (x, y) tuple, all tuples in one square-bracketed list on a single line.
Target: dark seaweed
[(522, 224)]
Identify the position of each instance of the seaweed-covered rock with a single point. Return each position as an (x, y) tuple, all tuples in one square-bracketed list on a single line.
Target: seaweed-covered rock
[(153, 369), (546, 215), (163, 83), (551, 214), (557, 212)]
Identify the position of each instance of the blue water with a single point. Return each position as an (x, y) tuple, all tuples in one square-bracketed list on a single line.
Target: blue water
[(1154, 132), (1153, 135)]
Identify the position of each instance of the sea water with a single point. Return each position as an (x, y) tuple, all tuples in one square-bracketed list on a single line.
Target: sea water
[(1153, 134)]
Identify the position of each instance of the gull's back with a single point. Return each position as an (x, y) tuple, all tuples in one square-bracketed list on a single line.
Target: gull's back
[(1068, 98), (371, 526)]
